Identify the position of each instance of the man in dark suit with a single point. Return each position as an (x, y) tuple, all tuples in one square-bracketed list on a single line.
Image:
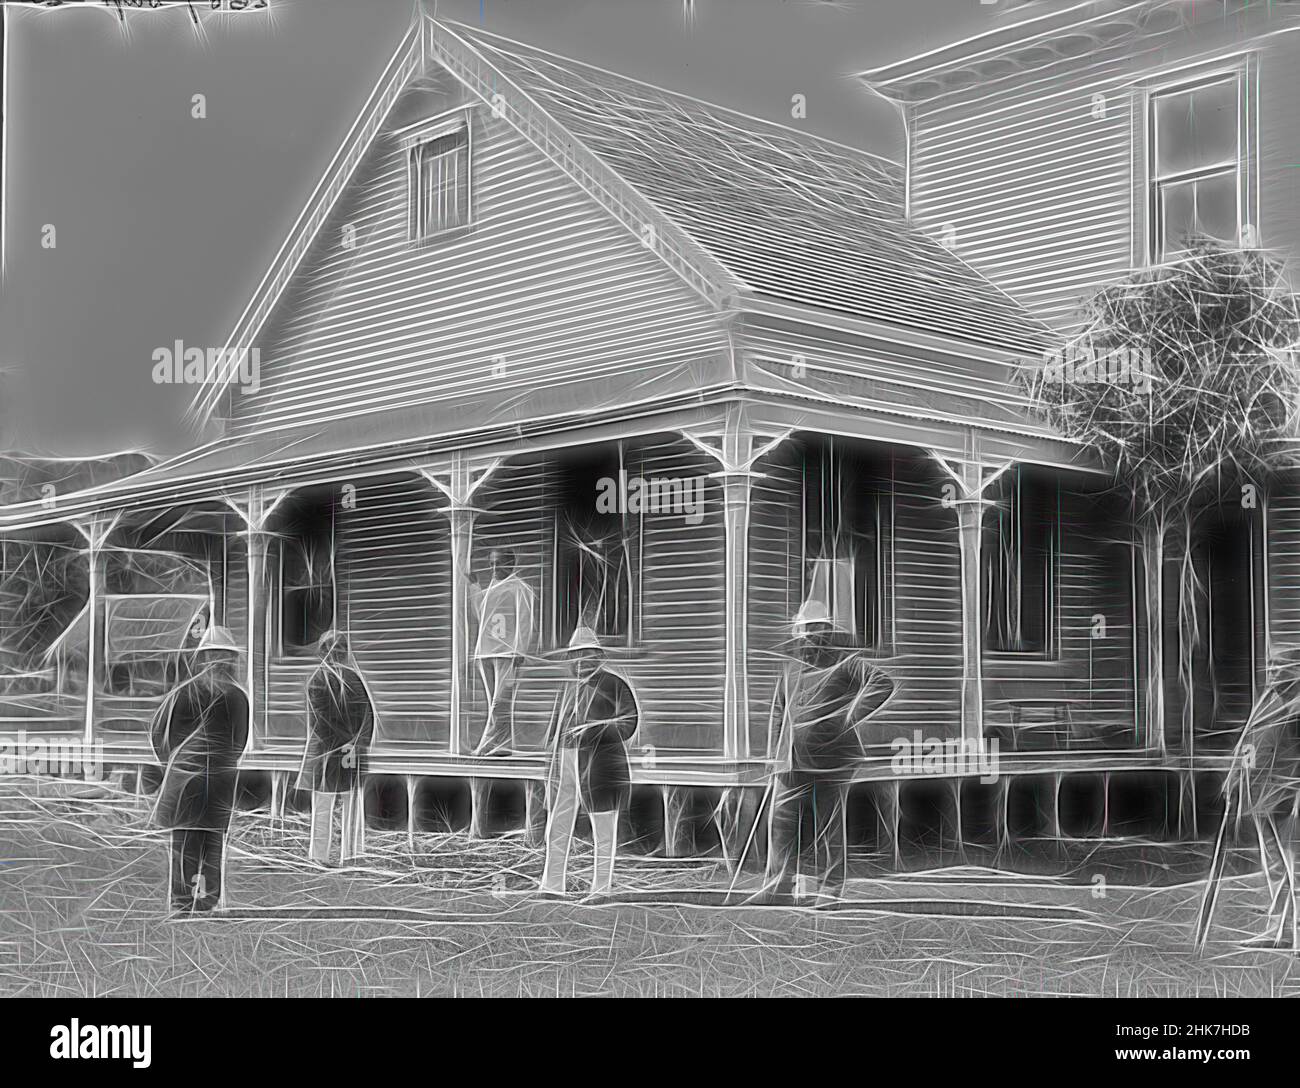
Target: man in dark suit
[(821, 700), (594, 718), (198, 735), (340, 726)]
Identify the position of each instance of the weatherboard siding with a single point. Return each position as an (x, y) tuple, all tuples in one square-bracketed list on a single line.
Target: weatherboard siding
[(922, 647), (1085, 687), (1034, 183), (676, 665), (935, 387), (542, 301), (1283, 545), (1041, 176), (393, 575)]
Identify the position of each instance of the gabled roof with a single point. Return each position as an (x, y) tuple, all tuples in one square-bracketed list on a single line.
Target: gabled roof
[(739, 206), (786, 213)]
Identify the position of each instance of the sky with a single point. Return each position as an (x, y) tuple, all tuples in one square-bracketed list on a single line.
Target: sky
[(163, 224)]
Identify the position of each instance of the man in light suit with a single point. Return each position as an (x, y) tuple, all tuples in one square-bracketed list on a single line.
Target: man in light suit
[(594, 718), (505, 637)]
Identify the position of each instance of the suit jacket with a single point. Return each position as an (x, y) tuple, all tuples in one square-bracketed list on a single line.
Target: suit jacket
[(339, 714), (597, 717), (506, 619), (819, 711), (198, 735)]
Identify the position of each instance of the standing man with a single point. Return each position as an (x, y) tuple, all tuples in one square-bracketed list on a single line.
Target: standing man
[(340, 727), (594, 718), (198, 736), (821, 699), (505, 637), (1263, 787)]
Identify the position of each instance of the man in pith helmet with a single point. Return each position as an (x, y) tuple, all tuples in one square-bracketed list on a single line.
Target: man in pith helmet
[(594, 718), (822, 698), (198, 735)]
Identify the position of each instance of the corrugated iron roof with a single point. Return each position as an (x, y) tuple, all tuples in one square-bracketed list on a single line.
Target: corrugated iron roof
[(790, 215)]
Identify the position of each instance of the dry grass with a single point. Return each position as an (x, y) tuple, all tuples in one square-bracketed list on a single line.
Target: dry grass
[(81, 914)]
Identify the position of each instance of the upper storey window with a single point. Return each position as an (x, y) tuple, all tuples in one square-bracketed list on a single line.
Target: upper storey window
[(1197, 163), (439, 179)]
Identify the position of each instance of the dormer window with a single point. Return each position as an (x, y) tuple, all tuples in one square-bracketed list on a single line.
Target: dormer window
[(1198, 183), (439, 178)]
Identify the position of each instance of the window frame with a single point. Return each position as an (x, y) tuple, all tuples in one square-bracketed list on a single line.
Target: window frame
[(413, 140), (552, 611), (1051, 642), (872, 588), (283, 650), (1240, 71)]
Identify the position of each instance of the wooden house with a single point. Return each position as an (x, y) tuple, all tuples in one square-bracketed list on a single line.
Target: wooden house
[(523, 278)]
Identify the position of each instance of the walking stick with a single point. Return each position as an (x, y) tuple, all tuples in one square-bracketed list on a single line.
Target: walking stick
[(758, 819), (1284, 884), (769, 793), (1210, 898), (1287, 883)]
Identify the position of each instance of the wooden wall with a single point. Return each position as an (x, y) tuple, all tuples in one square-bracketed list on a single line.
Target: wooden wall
[(1082, 693), (921, 646), (542, 305), (393, 576), (1042, 174), (676, 666)]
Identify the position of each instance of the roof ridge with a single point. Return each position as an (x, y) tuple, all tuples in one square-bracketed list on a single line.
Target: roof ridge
[(690, 261), (803, 134)]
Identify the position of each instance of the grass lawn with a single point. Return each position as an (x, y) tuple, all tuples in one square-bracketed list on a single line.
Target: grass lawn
[(82, 889)]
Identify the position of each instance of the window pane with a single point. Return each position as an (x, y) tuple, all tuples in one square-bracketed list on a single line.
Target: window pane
[(841, 538), (1017, 554), (1216, 206), (442, 183), (831, 583), (1196, 128), (1200, 206), (595, 550), (1177, 215)]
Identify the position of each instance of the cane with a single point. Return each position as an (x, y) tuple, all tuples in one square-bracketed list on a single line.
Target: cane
[(739, 867), (1210, 899), (768, 797)]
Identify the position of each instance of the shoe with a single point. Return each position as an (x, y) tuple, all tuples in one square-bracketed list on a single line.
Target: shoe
[(551, 893), (595, 899)]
